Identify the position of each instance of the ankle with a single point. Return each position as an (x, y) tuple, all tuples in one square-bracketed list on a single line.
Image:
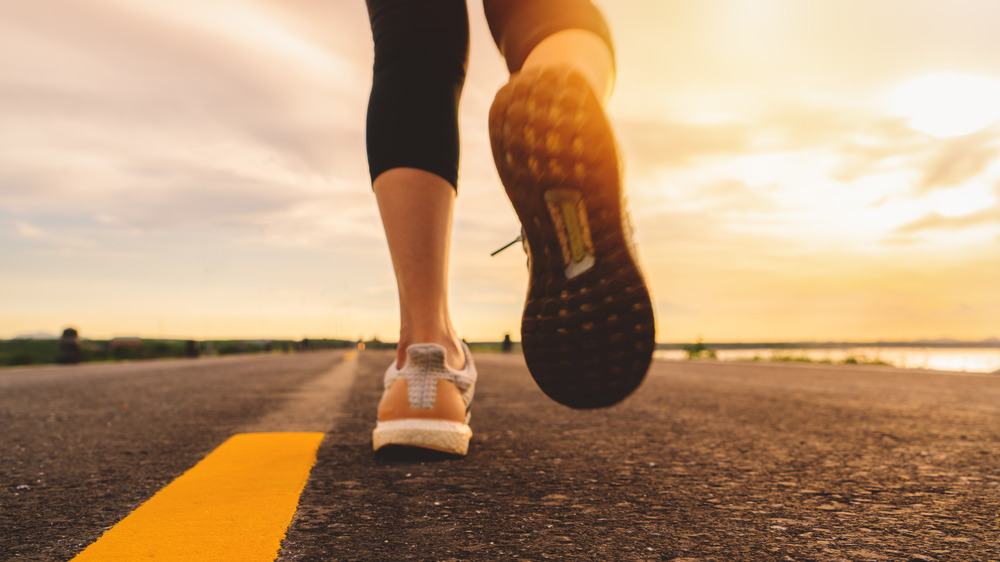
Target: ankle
[(454, 354), (585, 51)]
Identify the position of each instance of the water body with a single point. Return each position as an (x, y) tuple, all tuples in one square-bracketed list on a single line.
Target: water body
[(972, 360)]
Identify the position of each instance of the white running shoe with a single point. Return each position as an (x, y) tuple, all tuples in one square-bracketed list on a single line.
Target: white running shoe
[(426, 403)]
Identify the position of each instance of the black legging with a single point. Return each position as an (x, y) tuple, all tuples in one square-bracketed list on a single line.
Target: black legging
[(421, 54)]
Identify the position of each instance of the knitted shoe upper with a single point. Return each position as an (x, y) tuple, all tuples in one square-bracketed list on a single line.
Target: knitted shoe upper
[(425, 365)]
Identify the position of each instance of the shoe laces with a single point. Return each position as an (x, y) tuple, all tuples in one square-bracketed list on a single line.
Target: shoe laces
[(628, 231), (520, 238), (524, 246)]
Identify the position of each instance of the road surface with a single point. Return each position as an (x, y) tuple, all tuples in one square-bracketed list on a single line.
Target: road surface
[(707, 461)]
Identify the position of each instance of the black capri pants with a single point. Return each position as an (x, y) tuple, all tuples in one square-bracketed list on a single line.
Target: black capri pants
[(421, 56)]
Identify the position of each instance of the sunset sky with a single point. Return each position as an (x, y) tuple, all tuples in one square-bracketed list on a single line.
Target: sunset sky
[(823, 170)]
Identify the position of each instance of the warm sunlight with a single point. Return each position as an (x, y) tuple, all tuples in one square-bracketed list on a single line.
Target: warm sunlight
[(795, 170), (948, 105)]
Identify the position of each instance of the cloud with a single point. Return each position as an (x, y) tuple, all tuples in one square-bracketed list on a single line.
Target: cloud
[(656, 144), (863, 139), (736, 201), (50, 238), (955, 161), (174, 198), (25, 230), (226, 113), (880, 144), (777, 125), (937, 221), (889, 144)]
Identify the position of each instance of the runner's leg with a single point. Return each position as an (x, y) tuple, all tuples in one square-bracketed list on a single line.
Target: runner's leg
[(421, 52)]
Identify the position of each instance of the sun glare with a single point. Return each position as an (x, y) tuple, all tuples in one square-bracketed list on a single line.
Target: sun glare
[(948, 105)]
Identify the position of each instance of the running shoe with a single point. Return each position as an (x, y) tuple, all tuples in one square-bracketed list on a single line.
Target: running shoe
[(426, 403), (587, 330)]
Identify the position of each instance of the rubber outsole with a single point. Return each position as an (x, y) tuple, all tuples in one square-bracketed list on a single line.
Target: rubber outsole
[(588, 330), (438, 435)]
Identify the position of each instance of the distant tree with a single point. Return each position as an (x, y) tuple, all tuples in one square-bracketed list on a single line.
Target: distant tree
[(699, 350), (69, 347)]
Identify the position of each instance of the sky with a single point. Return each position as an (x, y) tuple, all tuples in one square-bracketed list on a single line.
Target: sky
[(796, 170)]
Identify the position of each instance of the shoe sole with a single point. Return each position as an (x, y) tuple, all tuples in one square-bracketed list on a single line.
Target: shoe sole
[(588, 330), (438, 435)]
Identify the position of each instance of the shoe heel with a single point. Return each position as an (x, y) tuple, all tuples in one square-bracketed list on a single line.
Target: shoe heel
[(437, 435)]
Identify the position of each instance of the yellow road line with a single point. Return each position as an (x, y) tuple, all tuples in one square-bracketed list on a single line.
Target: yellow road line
[(236, 504)]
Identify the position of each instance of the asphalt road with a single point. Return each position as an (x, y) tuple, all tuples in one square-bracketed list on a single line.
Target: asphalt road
[(707, 461)]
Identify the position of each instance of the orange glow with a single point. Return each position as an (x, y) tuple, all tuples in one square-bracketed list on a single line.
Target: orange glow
[(794, 170)]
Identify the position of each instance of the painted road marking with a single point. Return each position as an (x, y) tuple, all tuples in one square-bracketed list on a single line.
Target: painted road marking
[(236, 504)]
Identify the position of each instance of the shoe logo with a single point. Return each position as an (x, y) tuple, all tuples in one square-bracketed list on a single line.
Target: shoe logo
[(569, 214)]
